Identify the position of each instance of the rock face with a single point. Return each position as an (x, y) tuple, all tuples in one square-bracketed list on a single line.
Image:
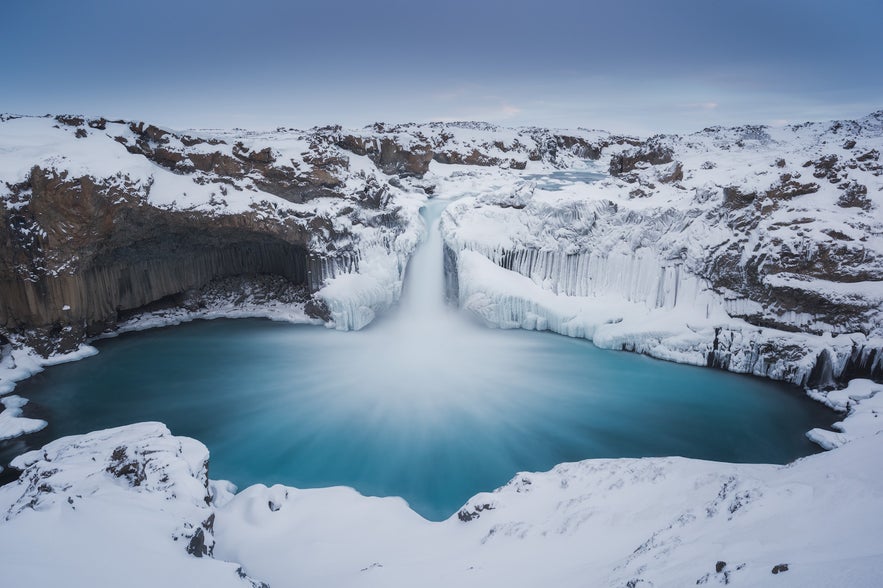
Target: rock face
[(81, 252), (103, 218)]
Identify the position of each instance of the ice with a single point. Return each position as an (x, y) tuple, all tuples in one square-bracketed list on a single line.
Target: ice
[(354, 298)]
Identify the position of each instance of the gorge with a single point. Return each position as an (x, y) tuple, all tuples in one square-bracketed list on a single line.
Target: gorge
[(751, 249), (424, 404)]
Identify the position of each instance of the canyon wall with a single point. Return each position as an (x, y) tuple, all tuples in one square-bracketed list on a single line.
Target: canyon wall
[(101, 219)]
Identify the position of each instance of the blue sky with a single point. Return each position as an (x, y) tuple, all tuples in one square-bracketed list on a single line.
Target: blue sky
[(631, 65)]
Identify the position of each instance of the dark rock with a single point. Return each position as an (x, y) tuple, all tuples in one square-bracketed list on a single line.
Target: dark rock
[(650, 154), (735, 198), (789, 188), (316, 308), (863, 362), (827, 167), (119, 255), (822, 374), (872, 155), (467, 515), (198, 546), (123, 466), (780, 568), (854, 195), (70, 120), (452, 282), (674, 174), (254, 583)]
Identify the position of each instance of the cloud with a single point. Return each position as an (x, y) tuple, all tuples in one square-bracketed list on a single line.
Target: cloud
[(710, 105), (508, 111)]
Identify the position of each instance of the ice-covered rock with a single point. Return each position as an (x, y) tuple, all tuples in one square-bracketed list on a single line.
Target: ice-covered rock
[(732, 248)]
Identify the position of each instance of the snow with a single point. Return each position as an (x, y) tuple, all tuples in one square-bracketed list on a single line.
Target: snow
[(77, 517), (137, 494), (863, 402), (12, 424)]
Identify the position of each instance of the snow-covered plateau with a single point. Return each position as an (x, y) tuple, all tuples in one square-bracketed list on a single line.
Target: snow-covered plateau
[(753, 249)]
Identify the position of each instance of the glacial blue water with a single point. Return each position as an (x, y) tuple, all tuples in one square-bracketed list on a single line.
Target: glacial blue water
[(424, 404), (310, 407)]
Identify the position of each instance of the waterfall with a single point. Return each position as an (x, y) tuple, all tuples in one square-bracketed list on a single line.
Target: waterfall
[(423, 293)]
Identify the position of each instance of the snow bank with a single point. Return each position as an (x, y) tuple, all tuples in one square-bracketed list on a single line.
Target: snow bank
[(12, 424), (123, 505), (862, 400)]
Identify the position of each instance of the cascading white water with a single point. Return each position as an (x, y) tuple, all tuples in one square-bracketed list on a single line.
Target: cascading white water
[(423, 294), (438, 351)]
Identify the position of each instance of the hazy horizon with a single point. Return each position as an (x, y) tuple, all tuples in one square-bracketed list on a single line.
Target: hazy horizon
[(634, 67)]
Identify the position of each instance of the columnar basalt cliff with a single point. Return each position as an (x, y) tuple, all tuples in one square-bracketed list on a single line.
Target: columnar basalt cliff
[(82, 251)]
